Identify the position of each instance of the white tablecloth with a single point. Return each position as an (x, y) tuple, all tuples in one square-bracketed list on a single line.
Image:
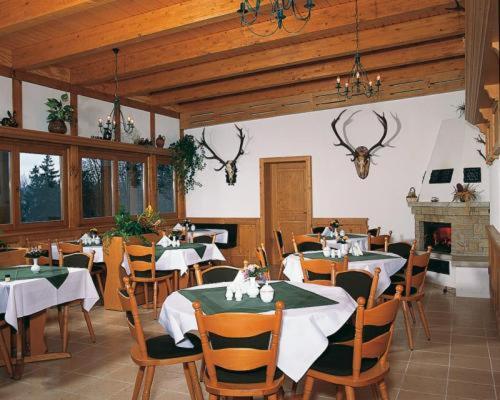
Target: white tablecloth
[(303, 335), (25, 297), (181, 259), (388, 266), (221, 235), (362, 241), (98, 256)]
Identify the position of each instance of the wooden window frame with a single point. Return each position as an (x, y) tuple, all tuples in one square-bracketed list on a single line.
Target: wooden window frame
[(12, 156)]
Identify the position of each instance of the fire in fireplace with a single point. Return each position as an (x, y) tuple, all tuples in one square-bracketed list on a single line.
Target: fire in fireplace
[(438, 235)]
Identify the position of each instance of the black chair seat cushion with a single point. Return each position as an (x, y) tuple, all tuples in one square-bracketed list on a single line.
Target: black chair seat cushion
[(218, 275), (163, 347), (400, 248), (337, 360), (147, 274), (309, 246), (400, 275), (99, 268), (2, 316), (356, 283), (285, 255), (346, 333), (391, 290), (76, 260), (253, 376)]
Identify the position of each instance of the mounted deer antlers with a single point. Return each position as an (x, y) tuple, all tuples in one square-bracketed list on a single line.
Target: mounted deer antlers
[(230, 165), (361, 155)]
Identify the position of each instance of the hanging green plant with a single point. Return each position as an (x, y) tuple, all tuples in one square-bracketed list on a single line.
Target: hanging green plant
[(187, 159)]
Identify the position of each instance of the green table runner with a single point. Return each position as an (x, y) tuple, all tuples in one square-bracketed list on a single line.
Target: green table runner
[(200, 248), (318, 255), (55, 275), (213, 300)]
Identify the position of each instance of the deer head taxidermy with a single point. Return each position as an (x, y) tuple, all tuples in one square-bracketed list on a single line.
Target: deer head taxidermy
[(361, 155), (229, 166)]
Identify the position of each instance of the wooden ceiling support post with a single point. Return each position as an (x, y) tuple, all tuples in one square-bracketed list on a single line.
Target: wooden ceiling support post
[(73, 191), (17, 100), (73, 99)]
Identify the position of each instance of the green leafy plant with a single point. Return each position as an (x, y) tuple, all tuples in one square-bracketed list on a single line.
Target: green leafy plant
[(58, 109), (187, 160)]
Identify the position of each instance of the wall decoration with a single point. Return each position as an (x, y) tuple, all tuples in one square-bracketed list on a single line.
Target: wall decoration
[(9, 120), (441, 175), (361, 155), (59, 113), (229, 166), (472, 175), (160, 141), (187, 159), (464, 193), (412, 195)]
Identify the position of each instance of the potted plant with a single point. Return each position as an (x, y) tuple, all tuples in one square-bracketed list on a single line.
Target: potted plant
[(464, 193), (9, 120), (160, 141), (59, 113), (143, 142), (187, 159)]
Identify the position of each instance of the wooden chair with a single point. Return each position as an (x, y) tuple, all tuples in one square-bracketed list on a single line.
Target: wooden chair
[(379, 242), (263, 260), (280, 245), (206, 239), (157, 351), (142, 264), (75, 260), (321, 272), (358, 283), (12, 257), (218, 274), (413, 292), (403, 250), (365, 362), (373, 231), (66, 248), (240, 352), (318, 229), (303, 243), (4, 350)]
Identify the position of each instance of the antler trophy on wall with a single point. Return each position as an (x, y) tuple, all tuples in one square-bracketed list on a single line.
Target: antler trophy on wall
[(230, 165), (361, 155)]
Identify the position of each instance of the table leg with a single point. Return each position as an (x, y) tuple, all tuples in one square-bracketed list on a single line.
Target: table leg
[(37, 340)]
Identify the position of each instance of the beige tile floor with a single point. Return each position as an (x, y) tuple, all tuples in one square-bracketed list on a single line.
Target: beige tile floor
[(461, 362)]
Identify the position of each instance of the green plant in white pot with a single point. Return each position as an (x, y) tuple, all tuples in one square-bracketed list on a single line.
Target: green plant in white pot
[(60, 112)]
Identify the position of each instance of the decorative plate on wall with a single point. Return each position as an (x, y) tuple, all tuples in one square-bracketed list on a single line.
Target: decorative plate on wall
[(441, 175)]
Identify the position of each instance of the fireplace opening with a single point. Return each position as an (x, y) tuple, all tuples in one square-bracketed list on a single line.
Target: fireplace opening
[(438, 235)]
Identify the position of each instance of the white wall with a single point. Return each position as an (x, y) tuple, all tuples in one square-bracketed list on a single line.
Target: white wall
[(337, 190), (495, 194), (168, 127), (89, 111), (5, 96)]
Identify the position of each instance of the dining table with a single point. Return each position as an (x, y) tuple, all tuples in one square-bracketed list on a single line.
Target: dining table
[(359, 238), (389, 264), (97, 249), (311, 314), (221, 235)]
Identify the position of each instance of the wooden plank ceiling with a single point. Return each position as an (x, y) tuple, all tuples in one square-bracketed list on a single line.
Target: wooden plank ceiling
[(194, 57)]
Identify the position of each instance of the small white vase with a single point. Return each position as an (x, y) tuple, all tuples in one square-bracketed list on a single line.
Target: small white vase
[(253, 288), (35, 268), (266, 293)]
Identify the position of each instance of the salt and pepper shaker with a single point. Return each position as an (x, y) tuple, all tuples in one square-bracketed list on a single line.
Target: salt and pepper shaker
[(229, 294), (238, 295)]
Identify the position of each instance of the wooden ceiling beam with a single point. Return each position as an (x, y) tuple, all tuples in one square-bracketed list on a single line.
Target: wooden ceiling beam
[(436, 27), (174, 18), (337, 19), (19, 15), (372, 62), (400, 75)]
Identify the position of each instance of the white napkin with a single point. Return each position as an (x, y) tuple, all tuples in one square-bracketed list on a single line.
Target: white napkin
[(178, 227), (164, 241), (327, 232), (356, 250)]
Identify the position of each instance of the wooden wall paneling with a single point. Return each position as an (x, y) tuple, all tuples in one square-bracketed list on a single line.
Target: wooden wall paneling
[(17, 100), (152, 127), (181, 195)]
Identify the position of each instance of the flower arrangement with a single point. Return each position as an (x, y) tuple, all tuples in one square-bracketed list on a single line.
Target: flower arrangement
[(335, 224), (342, 239), (149, 220), (254, 271), (464, 193), (35, 252)]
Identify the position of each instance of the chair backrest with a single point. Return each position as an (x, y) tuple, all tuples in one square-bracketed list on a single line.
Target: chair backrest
[(303, 243), (380, 242), (374, 231), (374, 328), (78, 260), (129, 305), (318, 229), (280, 243), (206, 239), (358, 283), (217, 274), (65, 248), (141, 258), (226, 341), (11, 257), (321, 272), (402, 249), (416, 271)]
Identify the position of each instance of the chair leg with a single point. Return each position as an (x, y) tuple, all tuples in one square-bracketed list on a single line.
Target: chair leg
[(425, 323), (60, 318), (349, 393), (340, 393), (146, 294), (412, 312), (89, 324), (65, 328), (308, 387), (138, 383), (150, 373), (196, 382), (203, 366), (189, 381), (407, 324), (383, 390), (99, 283), (5, 355), (374, 392), (212, 397), (155, 299), (294, 387)]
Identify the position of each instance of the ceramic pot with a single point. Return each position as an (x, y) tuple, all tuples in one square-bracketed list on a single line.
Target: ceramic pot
[(160, 142), (344, 248), (253, 288), (57, 126), (35, 268), (266, 293)]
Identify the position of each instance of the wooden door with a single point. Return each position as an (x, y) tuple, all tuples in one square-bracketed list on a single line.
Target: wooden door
[(286, 199)]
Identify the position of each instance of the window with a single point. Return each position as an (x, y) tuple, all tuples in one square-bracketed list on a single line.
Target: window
[(97, 188), (40, 187), (165, 191), (5, 174), (131, 186)]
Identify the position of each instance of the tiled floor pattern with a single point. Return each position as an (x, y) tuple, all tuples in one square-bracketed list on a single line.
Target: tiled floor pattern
[(461, 362)]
